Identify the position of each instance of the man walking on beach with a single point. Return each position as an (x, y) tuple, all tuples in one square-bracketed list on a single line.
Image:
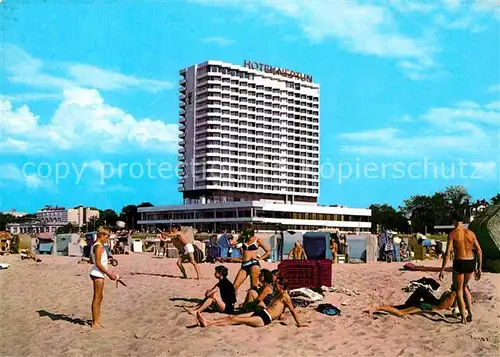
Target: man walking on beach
[(186, 249), (462, 240)]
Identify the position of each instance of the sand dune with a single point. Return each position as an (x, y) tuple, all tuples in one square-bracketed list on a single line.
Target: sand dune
[(45, 308)]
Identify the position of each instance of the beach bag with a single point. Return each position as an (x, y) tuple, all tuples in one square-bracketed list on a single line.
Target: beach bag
[(213, 252), (199, 257), (328, 309)]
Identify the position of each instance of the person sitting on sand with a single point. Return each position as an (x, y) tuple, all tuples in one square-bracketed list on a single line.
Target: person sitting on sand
[(420, 301), (225, 303), (186, 249), (98, 273), (261, 295), (262, 316), (297, 252), (277, 275)]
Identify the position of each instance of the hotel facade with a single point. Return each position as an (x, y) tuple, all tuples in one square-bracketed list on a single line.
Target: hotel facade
[(249, 152)]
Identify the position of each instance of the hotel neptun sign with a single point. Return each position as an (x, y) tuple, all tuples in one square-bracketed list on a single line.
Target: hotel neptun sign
[(277, 71)]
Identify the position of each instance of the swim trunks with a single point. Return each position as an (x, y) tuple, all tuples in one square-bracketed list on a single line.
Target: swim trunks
[(464, 266), (264, 315), (248, 264), (188, 248), (425, 306)]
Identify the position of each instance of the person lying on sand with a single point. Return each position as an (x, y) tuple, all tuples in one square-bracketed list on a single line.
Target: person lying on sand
[(261, 295), (421, 301), (227, 298), (262, 316), (29, 255)]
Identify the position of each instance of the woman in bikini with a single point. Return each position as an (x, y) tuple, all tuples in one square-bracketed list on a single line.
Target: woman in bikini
[(250, 265), (261, 295)]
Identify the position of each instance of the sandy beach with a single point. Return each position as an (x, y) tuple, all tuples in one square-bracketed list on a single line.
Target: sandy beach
[(45, 308)]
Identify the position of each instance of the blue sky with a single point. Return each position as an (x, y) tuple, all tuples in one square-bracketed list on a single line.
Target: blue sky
[(410, 91)]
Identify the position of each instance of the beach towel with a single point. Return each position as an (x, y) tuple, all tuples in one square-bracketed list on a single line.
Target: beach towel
[(328, 309), (341, 290), (4, 266), (300, 302), (427, 283), (306, 294), (413, 267)]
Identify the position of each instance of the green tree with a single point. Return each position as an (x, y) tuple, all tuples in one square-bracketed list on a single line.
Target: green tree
[(458, 200), (130, 214), (8, 218), (420, 210), (386, 217), (495, 199), (67, 228)]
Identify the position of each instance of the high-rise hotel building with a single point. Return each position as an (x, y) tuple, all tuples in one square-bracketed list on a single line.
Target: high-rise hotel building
[(248, 133), (249, 152)]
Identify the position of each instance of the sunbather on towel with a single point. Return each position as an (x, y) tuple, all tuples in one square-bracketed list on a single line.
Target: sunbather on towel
[(420, 301), (262, 316)]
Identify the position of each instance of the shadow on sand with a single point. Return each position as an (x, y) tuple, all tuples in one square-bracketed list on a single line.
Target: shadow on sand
[(159, 275), (192, 300), (62, 317)]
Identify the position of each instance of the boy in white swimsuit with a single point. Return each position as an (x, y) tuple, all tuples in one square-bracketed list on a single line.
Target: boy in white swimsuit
[(98, 273), (186, 249)]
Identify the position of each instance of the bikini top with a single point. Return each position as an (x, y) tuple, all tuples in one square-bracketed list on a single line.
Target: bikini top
[(253, 246)]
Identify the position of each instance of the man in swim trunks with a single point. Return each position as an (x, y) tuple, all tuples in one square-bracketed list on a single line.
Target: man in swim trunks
[(261, 317), (463, 241), (186, 249)]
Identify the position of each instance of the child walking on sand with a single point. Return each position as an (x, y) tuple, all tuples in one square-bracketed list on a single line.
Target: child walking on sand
[(98, 273), (225, 303)]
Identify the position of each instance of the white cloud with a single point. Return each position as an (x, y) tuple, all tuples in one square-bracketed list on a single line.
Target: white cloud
[(22, 68), (485, 170), (369, 135), (27, 97), (100, 167), (11, 173), (494, 105), (95, 77), (360, 27), (468, 104), (413, 6), (218, 40), (464, 23), (467, 129), (83, 122), (373, 28), (111, 188), (494, 88), (452, 5)]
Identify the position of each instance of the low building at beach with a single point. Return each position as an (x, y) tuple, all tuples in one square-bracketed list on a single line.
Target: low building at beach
[(264, 215), (33, 227), (14, 213)]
